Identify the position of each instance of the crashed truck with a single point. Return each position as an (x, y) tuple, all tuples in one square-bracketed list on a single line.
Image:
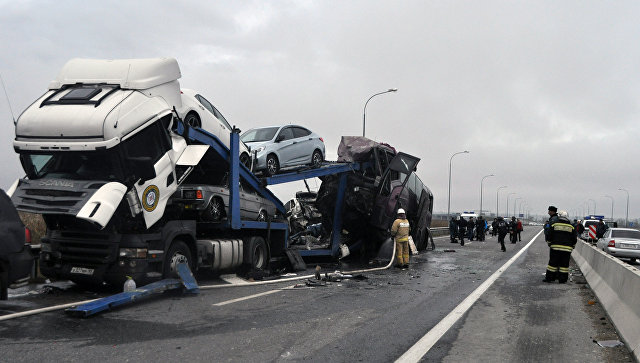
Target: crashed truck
[(385, 182), (104, 150)]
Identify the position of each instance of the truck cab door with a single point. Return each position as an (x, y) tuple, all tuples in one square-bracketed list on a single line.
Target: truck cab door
[(148, 154)]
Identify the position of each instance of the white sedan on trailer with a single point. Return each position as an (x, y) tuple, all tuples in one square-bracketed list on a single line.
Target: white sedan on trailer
[(197, 111)]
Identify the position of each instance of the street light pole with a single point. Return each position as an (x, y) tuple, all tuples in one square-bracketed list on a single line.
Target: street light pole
[(515, 202), (449, 197), (508, 195), (497, 199), (482, 181), (364, 112), (626, 220), (610, 197)]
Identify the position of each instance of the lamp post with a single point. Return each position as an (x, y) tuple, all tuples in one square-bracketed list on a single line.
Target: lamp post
[(364, 112), (507, 208), (482, 181), (449, 197), (626, 220), (497, 199), (594, 206), (610, 197), (515, 202)]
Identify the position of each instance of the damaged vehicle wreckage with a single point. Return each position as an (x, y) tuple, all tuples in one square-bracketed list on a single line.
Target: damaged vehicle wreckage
[(108, 161)]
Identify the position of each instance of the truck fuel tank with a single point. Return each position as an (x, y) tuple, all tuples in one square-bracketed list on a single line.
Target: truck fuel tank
[(220, 254)]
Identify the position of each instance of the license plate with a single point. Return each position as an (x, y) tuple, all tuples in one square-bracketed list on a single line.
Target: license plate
[(628, 245), (82, 271)]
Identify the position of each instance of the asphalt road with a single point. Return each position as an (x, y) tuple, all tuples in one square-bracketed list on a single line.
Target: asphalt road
[(378, 319)]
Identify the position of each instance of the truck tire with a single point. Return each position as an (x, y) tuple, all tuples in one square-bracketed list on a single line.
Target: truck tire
[(178, 252), (256, 254)]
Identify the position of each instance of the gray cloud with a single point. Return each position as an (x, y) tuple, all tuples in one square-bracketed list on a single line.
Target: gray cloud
[(543, 93)]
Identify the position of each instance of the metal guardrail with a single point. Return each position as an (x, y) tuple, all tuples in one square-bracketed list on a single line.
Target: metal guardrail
[(439, 231)]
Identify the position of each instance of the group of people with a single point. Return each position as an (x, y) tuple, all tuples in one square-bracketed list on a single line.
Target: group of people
[(559, 233), (460, 228)]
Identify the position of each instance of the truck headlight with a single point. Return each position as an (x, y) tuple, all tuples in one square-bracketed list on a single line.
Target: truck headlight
[(133, 252)]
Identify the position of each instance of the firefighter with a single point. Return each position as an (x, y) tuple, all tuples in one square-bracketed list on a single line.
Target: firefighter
[(561, 238), (400, 231)]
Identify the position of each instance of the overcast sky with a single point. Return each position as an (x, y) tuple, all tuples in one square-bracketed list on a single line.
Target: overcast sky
[(544, 94)]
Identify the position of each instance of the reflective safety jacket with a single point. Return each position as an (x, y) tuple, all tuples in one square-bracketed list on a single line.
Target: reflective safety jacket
[(562, 235), (400, 230)]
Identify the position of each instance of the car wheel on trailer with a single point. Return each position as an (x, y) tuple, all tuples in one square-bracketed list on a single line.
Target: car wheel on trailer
[(193, 120), (262, 216), (256, 253), (316, 158), (273, 165), (179, 252), (214, 210), (245, 160)]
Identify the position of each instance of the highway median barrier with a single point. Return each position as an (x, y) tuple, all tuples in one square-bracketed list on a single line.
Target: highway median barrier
[(616, 284)]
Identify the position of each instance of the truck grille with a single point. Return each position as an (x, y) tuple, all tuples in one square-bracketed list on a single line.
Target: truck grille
[(87, 252), (53, 193)]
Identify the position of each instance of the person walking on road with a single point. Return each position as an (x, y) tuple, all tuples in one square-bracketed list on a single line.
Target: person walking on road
[(601, 228), (561, 238), (513, 230), (453, 230), (462, 228), (520, 229), (494, 227), (502, 228), (400, 231), (471, 223), (481, 227)]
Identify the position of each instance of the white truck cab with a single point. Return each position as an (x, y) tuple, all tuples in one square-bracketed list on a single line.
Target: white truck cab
[(100, 132)]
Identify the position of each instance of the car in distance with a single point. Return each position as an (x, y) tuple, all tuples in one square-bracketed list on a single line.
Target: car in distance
[(210, 203), (16, 259), (197, 111), (278, 147), (621, 242)]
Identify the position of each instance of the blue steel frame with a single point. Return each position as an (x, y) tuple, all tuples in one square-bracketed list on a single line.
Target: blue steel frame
[(238, 170)]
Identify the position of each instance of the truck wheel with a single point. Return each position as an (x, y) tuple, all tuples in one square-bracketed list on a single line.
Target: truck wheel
[(256, 254), (193, 120), (214, 210), (316, 159), (273, 166), (179, 252)]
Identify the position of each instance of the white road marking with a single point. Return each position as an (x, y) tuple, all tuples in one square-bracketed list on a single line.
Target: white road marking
[(418, 350), (247, 297), (234, 279)]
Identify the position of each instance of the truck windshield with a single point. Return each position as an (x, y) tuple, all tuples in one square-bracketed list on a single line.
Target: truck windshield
[(264, 134), (96, 165)]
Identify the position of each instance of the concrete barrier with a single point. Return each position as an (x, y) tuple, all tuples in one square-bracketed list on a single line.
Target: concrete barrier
[(617, 286)]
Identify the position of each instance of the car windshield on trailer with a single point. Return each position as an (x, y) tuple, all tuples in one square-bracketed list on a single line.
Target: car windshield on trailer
[(255, 135), (626, 234)]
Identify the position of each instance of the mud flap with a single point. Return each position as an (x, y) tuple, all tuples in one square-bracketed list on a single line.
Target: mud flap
[(297, 263)]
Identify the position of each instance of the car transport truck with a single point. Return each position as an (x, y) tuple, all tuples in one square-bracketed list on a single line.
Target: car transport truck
[(104, 149)]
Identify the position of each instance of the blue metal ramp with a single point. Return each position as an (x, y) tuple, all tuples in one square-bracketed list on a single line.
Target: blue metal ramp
[(187, 281)]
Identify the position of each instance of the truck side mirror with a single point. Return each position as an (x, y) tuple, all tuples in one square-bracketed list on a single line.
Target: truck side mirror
[(143, 168)]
